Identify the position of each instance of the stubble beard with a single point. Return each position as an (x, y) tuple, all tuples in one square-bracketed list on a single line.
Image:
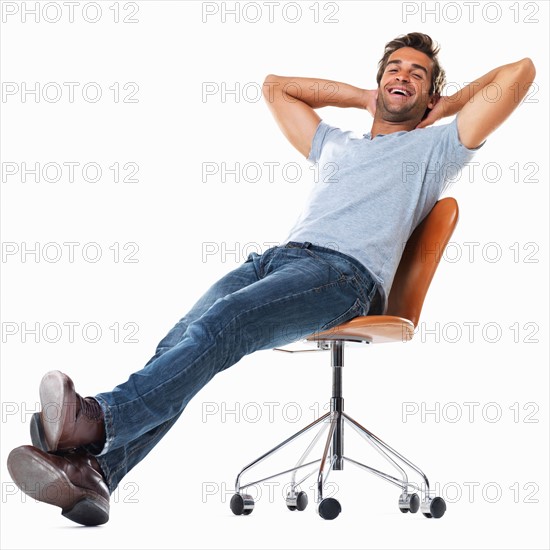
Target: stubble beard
[(403, 113)]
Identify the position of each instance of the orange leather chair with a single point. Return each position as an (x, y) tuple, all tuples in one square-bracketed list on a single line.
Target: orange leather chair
[(413, 277)]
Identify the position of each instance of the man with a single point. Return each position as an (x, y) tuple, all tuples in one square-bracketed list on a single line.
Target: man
[(372, 192)]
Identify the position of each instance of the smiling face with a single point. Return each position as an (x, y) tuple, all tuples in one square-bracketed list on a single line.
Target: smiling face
[(403, 93)]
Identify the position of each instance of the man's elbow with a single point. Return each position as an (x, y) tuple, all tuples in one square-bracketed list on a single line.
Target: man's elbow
[(270, 84), (272, 79), (528, 66)]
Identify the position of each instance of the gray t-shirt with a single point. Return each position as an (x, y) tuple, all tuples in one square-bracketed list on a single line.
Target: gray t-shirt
[(370, 194)]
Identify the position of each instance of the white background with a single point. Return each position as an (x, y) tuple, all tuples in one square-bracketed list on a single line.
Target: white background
[(178, 497)]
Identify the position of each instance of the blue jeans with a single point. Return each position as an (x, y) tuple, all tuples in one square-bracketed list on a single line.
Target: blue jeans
[(272, 299)]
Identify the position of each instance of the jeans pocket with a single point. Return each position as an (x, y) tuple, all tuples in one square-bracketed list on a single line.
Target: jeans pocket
[(355, 310), (364, 290)]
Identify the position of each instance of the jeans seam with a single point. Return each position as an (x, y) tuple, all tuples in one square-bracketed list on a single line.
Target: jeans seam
[(251, 259), (264, 259), (362, 290)]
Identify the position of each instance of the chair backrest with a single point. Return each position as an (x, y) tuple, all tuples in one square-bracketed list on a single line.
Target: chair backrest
[(420, 260)]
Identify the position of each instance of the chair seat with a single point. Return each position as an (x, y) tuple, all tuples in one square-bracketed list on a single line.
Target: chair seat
[(374, 329)]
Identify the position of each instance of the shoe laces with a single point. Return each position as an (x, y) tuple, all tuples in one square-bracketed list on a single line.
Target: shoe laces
[(90, 408)]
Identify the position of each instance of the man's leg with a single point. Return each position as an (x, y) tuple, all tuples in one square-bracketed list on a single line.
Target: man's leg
[(236, 279), (127, 456), (297, 294), (75, 481)]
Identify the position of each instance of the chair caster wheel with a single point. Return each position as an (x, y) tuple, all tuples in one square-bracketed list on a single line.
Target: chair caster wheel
[(241, 504), (433, 507), (329, 508), (297, 502), (409, 503)]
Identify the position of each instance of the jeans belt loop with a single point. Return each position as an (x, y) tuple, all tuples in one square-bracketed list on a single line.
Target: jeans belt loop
[(295, 244)]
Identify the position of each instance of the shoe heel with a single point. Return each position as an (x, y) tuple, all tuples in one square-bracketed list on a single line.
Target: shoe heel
[(38, 437), (88, 512)]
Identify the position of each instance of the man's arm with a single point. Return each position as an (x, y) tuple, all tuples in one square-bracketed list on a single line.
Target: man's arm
[(485, 103), (292, 101)]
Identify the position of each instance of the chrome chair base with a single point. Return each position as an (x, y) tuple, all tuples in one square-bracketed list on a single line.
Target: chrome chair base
[(333, 458)]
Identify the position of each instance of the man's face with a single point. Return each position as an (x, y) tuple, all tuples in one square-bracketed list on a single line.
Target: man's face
[(403, 94)]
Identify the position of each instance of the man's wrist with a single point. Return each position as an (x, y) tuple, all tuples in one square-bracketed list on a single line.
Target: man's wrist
[(450, 105), (365, 98), (368, 100)]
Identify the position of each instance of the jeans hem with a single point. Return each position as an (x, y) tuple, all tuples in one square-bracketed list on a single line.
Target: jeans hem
[(109, 430)]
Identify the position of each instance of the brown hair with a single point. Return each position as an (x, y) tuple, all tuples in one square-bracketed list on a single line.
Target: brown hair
[(423, 43)]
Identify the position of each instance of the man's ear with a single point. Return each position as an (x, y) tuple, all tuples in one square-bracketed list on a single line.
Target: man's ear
[(431, 104), (433, 101)]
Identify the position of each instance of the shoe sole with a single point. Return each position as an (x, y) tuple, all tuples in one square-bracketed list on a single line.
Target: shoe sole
[(54, 390), (39, 479)]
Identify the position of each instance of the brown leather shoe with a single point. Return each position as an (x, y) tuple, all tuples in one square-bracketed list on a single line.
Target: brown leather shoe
[(38, 437), (73, 481), (67, 420)]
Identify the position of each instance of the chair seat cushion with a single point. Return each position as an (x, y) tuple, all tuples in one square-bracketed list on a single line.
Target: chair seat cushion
[(375, 329)]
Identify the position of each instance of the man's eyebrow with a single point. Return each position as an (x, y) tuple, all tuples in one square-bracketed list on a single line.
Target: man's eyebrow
[(414, 65)]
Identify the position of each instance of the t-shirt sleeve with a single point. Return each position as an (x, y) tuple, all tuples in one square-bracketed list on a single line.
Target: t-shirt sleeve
[(324, 133), (451, 154)]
